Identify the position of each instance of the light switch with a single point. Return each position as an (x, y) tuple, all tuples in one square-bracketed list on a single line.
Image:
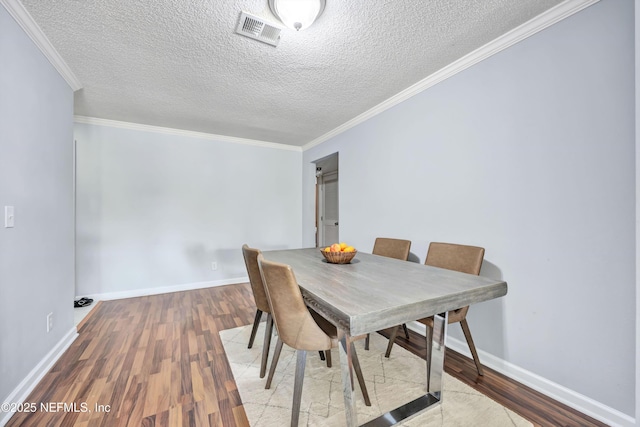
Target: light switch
[(8, 217)]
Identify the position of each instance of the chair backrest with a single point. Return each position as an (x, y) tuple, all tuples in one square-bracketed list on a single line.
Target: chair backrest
[(392, 248), (251, 262), (294, 323), (466, 259)]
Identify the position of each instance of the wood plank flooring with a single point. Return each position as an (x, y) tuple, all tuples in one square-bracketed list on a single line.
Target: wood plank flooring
[(158, 361)]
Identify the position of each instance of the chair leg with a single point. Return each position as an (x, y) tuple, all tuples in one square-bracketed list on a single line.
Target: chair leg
[(256, 322), (392, 338), (297, 386), (274, 363), (327, 354), (321, 355), (268, 332), (406, 331), (472, 347), (366, 342), (356, 367)]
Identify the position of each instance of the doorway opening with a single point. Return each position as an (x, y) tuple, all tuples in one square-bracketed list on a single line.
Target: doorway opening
[(327, 209)]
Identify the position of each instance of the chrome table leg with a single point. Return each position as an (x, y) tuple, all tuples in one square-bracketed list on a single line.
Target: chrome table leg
[(435, 371), (435, 363)]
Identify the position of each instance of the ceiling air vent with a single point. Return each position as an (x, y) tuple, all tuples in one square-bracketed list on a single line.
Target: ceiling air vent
[(259, 29)]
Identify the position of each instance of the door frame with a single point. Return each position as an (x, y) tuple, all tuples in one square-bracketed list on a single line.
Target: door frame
[(327, 165)]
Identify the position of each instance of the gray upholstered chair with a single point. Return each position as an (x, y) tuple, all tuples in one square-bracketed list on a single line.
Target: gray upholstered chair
[(391, 248), (298, 328), (262, 304), (466, 259)]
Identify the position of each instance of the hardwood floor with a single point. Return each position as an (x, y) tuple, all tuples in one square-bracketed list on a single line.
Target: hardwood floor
[(158, 361)]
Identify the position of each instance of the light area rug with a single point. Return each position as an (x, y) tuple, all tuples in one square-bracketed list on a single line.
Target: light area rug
[(390, 383)]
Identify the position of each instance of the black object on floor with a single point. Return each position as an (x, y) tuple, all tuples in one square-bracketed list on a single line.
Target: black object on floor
[(82, 302)]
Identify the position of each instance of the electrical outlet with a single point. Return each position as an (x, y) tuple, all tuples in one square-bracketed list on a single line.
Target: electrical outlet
[(49, 322), (214, 265)]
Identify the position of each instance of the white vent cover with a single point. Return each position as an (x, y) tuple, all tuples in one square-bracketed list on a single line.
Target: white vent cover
[(259, 29)]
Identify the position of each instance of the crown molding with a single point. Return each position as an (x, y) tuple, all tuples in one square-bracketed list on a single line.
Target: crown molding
[(33, 30), (529, 28), (180, 132)]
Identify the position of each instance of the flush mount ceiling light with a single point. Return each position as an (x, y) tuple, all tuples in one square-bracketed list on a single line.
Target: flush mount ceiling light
[(297, 14)]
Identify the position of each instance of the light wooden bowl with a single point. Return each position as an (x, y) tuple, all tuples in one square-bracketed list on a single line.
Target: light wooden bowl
[(339, 257)]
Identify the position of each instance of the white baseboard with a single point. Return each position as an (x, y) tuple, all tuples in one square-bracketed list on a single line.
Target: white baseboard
[(165, 289), (20, 393), (575, 400)]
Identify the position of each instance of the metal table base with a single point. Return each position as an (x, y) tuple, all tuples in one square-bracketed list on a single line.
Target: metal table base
[(434, 377)]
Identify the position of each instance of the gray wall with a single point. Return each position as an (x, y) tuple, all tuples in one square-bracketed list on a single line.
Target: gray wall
[(36, 177), (530, 154), (154, 209)]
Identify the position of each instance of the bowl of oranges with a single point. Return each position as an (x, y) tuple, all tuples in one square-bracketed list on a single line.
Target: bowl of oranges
[(339, 253)]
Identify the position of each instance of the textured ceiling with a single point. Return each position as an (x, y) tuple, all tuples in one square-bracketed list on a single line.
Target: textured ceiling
[(179, 64)]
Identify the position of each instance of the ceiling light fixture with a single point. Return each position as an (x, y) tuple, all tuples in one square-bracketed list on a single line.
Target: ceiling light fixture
[(297, 14)]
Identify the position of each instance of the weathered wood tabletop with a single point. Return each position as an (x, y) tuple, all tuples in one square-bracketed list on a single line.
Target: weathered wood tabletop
[(374, 292)]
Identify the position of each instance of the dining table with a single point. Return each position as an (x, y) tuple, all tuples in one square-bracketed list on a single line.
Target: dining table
[(372, 293)]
